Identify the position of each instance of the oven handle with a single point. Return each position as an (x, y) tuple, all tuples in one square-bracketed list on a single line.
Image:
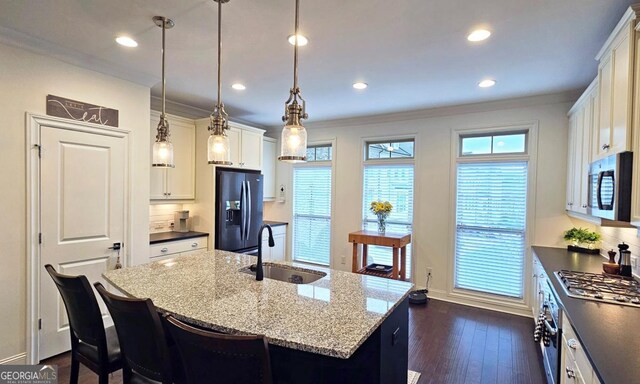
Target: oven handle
[(552, 331)]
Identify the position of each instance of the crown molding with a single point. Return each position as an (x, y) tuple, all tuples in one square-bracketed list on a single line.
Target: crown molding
[(632, 13), (39, 46), (522, 102)]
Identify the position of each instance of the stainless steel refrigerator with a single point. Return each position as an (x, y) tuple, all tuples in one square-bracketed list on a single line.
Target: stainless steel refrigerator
[(238, 210)]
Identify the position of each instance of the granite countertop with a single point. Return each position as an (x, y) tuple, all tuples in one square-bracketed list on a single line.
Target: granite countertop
[(609, 333), (274, 223), (332, 316), (163, 237)]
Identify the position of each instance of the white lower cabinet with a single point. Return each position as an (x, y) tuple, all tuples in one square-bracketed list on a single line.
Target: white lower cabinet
[(575, 366), (278, 252), (169, 249)]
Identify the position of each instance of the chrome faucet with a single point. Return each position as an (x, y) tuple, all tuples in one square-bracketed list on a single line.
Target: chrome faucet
[(259, 270)]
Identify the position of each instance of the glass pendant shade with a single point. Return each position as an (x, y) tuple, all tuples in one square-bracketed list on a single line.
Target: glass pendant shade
[(218, 150), (293, 147), (163, 154)]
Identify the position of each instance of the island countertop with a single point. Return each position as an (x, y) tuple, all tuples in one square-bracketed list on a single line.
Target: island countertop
[(332, 316)]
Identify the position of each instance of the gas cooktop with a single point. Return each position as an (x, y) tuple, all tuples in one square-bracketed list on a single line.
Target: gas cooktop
[(600, 287)]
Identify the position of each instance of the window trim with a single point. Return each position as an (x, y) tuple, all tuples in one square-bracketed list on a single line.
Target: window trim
[(324, 163), (399, 161), (513, 304)]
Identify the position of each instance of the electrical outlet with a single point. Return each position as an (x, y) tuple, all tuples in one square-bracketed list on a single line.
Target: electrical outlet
[(343, 259), (634, 264)]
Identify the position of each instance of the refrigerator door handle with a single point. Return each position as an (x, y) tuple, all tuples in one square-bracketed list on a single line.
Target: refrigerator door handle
[(249, 209), (243, 213)]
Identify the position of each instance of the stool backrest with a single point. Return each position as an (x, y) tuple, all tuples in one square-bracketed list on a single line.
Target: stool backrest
[(141, 335), (85, 318), (210, 357)]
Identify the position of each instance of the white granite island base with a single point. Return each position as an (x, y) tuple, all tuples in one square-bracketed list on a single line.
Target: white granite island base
[(343, 328)]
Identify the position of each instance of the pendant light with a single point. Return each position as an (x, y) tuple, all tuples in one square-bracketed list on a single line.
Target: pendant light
[(293, 147), (162, 148), (218, 144)]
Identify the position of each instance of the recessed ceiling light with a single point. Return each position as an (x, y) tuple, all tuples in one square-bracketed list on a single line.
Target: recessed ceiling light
[(126, 41), (479, 35), (301, 40), (238, 87), (360, 85), (487, 83)]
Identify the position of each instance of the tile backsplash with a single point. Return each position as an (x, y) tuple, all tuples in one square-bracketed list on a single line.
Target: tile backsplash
[(161, 217), (611, 237)]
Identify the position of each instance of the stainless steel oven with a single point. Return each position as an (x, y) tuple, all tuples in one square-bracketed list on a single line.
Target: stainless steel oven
[(552, 329), (610, 187)]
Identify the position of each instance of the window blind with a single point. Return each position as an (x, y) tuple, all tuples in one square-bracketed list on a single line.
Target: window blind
[(491, 209), (393, 183), (312, 214)]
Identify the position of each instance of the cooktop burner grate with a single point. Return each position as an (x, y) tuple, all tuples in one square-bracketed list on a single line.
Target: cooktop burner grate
[(600, 287)]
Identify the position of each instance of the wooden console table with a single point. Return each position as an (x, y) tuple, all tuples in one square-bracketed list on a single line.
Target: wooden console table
[(397, 241)]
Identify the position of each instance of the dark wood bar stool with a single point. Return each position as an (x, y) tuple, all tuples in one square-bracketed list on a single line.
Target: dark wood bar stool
[(91, 344), (146, 355), (210, 357)]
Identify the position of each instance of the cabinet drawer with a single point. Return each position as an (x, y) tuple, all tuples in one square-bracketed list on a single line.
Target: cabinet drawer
[(576, 352), (172, 247)]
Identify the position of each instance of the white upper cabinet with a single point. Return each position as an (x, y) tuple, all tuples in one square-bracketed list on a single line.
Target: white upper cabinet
[(245, 144), (582, 120), (175, 183), (269, 168), (617, 59)]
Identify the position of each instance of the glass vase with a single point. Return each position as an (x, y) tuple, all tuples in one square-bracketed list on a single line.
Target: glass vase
[(382, 223)]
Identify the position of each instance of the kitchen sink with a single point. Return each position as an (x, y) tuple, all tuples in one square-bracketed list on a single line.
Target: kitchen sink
[(285, 273)]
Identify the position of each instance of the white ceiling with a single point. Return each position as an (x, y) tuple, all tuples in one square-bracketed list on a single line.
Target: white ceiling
[(413, 53)]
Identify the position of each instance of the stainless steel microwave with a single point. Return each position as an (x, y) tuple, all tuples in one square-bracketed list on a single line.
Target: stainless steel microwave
[(610, 187)]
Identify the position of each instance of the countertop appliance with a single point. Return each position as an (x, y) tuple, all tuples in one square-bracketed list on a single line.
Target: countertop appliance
[(238, 210), (180, 221), (600, 287), (610, 187), (549, 321)]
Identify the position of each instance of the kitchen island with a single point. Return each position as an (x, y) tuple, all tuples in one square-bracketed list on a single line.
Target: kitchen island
[(342, 328)]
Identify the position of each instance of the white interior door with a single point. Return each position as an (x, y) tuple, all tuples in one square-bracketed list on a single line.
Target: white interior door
[(82, 189)]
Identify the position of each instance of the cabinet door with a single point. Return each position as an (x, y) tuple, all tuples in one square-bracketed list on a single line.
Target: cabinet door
[(269, 169), (181, 179), (571, 161), (251, 150), (234, 146), (621, 97), (605, 85), (278, 251), (578, 161)]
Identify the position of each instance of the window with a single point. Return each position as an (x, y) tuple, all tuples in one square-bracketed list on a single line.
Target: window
[(390, 150), (312, 207), (491, 216), (493, 144), (390, 180)]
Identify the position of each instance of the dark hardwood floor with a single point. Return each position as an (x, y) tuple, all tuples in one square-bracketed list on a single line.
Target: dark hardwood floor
[(448, 344)]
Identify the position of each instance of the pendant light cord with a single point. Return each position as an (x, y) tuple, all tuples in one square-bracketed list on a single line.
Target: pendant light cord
[(295, 50), (164, 81), (219, 55)]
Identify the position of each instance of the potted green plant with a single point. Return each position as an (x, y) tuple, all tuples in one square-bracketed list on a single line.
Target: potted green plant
[(582, 240)]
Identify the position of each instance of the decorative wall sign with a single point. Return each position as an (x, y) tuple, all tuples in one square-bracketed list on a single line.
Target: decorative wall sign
[(80, 111)]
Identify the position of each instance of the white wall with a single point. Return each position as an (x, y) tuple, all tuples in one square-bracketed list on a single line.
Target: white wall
[(26, 79), (432, 216)]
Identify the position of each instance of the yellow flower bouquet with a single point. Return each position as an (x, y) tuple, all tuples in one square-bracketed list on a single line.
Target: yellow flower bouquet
[(382, 209)]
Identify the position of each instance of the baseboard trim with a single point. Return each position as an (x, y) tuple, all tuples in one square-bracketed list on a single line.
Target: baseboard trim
[(442, 295), (20, 358)]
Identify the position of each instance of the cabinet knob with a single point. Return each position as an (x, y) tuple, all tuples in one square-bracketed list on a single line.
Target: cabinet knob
[(169, 193), (584, 205), (194, 245), (606, 147), (164, 250), (570, 373)]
